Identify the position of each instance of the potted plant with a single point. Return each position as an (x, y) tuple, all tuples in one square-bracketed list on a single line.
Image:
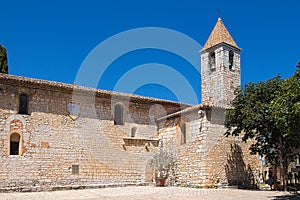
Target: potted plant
[(163, 160)]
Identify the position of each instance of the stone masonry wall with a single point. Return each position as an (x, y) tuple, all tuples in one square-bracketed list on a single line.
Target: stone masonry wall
[(53, 144), (209, 159), (228, 159), (218, 84)]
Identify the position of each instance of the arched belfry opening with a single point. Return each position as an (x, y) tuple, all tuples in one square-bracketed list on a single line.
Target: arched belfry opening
[(230, 60), (212, 60)]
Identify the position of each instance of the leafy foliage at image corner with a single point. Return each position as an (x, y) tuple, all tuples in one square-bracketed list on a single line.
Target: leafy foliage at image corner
[(269, 114), (3, 60)]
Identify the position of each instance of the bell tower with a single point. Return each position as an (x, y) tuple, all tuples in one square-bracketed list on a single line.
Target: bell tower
[(220, 67)]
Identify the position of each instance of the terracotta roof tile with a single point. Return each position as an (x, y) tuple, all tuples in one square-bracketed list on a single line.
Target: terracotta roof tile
[(57, 86), (218, 35)]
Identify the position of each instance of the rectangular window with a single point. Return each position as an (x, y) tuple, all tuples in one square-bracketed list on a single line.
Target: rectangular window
[(14, 144), (118, 117), (75, 169), (183, 131), (14, 148), (23, 104)]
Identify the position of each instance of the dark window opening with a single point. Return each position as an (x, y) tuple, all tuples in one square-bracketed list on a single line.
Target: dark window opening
[(212, 61), (75, 169), (133, 131), (297, 163), (183, 131), (23, 104), (14, 144), (118, 115), (231, 55)]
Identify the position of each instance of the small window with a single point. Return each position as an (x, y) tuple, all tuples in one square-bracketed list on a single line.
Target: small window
[(297, 161), (212, 61), (14, 144), (23, 104), (118, 115), (231, 55), (133, 131), (75, 169), (183, 131)]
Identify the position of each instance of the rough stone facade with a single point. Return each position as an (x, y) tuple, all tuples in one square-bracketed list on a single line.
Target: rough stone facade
[(208, 158), (219, 82), (220, 67), (54, 134), (52, 143)]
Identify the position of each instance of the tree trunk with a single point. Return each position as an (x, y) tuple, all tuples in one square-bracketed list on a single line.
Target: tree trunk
[(285, 173), (284, 177), (283, 165)]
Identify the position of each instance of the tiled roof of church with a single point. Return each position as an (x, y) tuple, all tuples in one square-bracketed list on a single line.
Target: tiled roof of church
[(218, 35), (183, 111), (57, 86), (191, 109)]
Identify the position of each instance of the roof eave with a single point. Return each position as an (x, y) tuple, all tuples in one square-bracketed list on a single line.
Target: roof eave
[(220, 44)]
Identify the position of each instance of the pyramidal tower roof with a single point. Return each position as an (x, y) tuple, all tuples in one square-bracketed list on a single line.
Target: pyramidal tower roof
[(218, 35)]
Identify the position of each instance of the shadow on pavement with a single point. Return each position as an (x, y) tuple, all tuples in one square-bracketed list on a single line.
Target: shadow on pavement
[(287, 197)]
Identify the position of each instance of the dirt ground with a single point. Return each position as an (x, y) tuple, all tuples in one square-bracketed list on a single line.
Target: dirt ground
[(151, 193)]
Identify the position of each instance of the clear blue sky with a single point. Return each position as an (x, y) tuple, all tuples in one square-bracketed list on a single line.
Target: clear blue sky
[(50, 39)]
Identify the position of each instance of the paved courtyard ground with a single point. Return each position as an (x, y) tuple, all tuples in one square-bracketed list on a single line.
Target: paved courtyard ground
[(151, 193)]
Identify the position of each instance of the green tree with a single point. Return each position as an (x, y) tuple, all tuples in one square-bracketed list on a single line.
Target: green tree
[(3, 60), (269, 113), (297, 74)]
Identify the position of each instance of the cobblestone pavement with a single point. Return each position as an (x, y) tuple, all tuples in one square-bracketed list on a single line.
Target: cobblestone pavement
[(151, 193)]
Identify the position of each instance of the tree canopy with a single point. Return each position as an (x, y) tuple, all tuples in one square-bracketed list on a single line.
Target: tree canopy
[(268, 112), (3, 60)]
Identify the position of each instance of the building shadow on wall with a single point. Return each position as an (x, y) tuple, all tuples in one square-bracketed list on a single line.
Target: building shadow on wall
[(237, 173)]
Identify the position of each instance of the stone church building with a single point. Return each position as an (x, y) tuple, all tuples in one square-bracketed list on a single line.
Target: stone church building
[(55, 134)]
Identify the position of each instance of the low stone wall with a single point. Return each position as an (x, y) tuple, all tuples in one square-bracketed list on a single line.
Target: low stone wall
[(67, 187)]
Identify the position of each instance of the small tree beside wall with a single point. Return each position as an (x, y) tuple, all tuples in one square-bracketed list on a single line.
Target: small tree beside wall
[(162, 162)]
